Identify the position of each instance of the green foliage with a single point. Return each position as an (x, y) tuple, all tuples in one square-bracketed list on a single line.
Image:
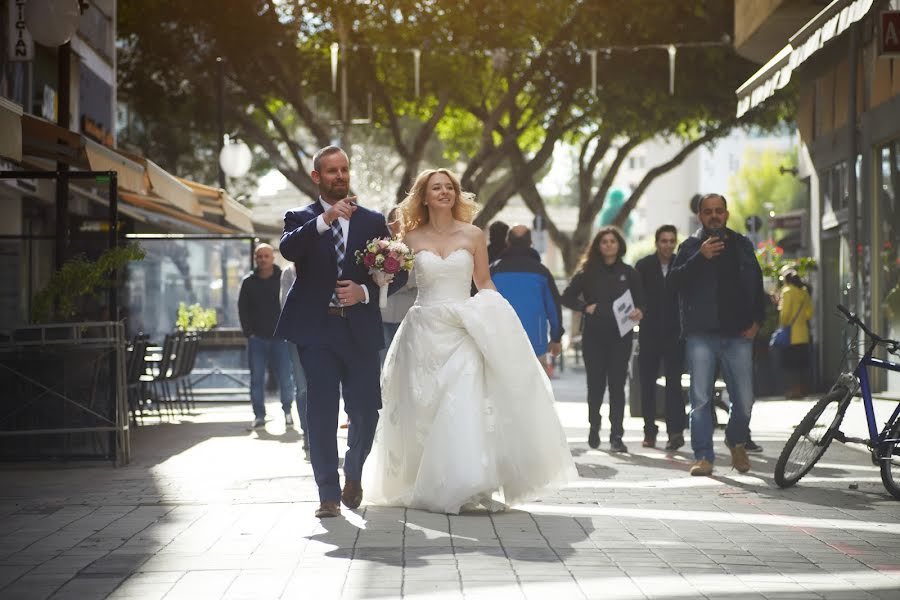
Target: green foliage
[(195, 317), (772, 260), (760, 182), (80, 278)]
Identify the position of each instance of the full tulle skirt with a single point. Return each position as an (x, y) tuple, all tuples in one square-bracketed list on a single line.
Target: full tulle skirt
[(468, 414)]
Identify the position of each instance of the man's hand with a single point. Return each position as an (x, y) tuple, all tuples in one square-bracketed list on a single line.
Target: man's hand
[(751, 333), (712, 247), (590, 308), (342, 208), (554, 348), (394, 227), (636, 315), (349, 292)]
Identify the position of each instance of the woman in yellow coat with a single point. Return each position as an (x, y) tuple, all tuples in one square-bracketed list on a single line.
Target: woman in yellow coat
[(795, 310)]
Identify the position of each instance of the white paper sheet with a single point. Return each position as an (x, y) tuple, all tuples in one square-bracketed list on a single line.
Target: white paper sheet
[(622, 307)]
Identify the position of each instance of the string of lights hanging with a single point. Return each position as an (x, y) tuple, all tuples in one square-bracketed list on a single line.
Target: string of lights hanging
[(671, 49)]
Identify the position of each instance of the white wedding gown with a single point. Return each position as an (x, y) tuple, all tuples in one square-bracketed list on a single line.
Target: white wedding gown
[(468, 416)]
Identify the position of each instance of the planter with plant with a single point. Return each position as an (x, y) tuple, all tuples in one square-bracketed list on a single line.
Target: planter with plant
[(78, 280)]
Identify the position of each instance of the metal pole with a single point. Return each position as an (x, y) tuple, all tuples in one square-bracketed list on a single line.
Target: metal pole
[(852, 200), (220, 116), (63, 83), (114, 242)]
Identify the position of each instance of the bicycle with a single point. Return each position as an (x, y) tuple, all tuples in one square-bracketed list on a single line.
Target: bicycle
[(811, 438)]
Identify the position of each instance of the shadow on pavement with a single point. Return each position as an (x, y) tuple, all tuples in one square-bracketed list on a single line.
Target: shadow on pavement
[(760, 480), (429, 538)]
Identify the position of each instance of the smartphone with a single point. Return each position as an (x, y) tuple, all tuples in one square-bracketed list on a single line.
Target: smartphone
[(717, 233)]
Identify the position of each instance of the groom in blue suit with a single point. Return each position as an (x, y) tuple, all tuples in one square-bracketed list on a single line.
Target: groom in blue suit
[(331, 313)]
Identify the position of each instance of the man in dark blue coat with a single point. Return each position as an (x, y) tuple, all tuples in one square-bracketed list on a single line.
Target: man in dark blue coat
[(660, 341), (331, 313)]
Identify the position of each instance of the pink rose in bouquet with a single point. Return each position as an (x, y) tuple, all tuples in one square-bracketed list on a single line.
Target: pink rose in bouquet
[(388, 257)]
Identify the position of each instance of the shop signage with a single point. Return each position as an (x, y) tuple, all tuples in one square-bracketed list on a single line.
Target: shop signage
[(889, 40), (786, 221), (21, 46)]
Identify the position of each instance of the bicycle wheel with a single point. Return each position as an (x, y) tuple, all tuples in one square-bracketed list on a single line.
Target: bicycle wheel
[(811, 438), (889, 454)]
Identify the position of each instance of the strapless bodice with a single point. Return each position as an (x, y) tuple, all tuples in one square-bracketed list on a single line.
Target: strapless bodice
[(442, 280)]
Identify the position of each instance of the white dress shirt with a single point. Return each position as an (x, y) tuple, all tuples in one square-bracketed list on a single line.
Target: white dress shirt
[(322, 227)]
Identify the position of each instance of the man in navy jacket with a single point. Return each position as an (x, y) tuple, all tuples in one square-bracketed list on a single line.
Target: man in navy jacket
[(722, 305), (529, 287), (331, 313), (660, 341)]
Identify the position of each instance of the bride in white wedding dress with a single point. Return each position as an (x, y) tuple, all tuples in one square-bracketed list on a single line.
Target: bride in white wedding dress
[(468, 417)]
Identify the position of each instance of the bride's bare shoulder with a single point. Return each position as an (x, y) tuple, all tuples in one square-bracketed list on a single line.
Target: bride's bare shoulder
[(413, 239), (473, 231)]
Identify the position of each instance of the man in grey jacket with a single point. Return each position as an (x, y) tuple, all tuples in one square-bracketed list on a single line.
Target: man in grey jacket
[(288, 276)]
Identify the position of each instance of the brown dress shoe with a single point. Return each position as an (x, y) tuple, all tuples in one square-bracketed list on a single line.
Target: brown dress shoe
[(352, 494), (328, 509)]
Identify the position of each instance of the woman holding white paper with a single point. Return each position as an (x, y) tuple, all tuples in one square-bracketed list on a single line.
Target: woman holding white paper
[(600, 290)]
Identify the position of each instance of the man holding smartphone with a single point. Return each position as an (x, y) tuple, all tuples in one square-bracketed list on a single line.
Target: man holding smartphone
[(722, 305)]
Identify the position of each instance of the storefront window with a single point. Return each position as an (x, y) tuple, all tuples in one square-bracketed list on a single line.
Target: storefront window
[(889, 243), (207, 272)]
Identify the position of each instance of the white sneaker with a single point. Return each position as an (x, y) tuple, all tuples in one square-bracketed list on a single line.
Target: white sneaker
[(288, 419), (258, 423)]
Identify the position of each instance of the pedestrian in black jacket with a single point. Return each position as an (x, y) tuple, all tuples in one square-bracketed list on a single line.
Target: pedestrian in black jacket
[(259, 304), (659, 341), (722, 305), (601, 279)]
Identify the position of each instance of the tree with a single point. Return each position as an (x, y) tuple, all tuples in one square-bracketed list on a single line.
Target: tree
[(501, 84), (764, 183)]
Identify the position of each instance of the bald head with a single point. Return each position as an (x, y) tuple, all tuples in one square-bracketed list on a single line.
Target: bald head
[(519, 236)]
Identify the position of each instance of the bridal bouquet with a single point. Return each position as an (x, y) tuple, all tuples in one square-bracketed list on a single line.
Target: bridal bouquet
[(385, 257)]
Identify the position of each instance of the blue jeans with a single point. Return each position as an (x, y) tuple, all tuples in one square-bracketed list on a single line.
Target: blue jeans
[(735, 355), (260, 351), (299, 385)]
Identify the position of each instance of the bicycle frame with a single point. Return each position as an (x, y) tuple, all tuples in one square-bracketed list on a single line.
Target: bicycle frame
[(862, 375)]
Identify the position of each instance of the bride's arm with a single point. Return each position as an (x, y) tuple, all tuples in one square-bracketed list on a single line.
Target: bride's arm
[(482, 273)]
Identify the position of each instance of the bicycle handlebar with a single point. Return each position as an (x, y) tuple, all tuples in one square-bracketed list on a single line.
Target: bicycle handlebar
[(892, 346)]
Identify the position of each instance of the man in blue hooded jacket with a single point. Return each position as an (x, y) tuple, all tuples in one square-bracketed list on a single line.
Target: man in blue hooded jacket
[(529, 287)]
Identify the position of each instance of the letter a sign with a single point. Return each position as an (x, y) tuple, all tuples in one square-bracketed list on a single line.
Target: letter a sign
[(889, 44)]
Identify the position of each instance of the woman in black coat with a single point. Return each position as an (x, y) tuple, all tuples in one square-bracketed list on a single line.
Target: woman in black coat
[(601, 279)]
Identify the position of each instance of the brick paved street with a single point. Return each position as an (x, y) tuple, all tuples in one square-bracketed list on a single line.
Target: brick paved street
[(210, 510)]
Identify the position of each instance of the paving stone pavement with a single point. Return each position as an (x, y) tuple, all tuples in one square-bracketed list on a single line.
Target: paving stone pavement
[(208, 509)]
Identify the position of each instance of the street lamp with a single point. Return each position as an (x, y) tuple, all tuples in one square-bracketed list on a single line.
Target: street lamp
[(235, 157)]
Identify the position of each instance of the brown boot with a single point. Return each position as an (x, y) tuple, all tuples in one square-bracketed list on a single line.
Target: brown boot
[(352, 494), (328, 509), (739, 459)]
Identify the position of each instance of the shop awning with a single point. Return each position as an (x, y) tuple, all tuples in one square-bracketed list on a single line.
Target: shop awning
[(830, 23), (217, 202), (44, 139), (155, 205), (169, 187), (130, 174), (237, 214), (11, 126)]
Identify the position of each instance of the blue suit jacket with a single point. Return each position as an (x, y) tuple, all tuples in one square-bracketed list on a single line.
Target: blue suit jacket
[(305, 311)]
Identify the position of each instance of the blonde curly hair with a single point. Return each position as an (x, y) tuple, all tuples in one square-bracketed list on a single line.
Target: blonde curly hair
[(414, 213)]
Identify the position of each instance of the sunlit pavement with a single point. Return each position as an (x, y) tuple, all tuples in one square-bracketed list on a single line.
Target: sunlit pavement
[(210, 510)]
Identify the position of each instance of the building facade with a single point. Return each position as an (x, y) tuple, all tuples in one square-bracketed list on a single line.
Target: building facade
[(848, 117)]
